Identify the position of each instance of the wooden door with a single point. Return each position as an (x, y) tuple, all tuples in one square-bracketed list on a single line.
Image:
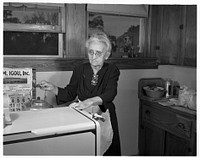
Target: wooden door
[(177, 146), (170, 34), (151, 140)]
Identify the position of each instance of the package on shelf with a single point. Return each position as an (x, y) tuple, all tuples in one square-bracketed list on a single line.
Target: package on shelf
[(18, 85)]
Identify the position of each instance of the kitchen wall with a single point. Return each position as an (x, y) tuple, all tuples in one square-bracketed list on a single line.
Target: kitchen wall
[(127, 103)]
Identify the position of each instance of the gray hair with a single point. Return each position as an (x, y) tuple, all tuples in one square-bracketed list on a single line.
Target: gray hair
[(100, 37)]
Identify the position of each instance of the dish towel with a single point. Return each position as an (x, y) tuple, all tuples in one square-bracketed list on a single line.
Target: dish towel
[(106, 132)]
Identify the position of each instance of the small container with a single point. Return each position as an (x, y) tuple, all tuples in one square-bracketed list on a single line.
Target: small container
[(157, 92), (176, 87), (154, 94), (168, 88), (39, 104)]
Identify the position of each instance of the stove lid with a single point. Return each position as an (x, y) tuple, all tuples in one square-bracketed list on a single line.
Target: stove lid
[(48, 121)]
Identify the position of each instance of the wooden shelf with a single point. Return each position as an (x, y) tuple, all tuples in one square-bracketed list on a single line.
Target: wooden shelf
[(60, 64)]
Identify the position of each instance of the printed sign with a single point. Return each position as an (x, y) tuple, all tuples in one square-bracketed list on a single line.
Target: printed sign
[(17, 84)]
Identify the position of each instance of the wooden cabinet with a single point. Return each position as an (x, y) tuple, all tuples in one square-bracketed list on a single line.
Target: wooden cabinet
[(173, 34), (166, 130), (148, 136)]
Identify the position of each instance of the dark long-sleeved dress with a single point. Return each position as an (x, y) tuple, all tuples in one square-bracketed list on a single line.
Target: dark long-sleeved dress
[(106, 88)]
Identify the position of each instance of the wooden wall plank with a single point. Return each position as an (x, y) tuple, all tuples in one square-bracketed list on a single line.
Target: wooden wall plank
[(75, 30), (60, 64), (191, 35)]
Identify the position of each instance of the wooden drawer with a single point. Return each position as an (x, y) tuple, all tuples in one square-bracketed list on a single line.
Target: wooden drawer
[(169, 121)]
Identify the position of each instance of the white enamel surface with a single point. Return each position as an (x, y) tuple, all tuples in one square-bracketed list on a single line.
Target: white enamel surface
[(48, 121)]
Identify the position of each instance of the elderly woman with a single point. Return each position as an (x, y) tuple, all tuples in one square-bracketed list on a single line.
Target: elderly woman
[(94, 83)]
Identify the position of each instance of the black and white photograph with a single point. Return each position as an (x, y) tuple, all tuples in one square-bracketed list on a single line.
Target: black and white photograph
[(86, 78)]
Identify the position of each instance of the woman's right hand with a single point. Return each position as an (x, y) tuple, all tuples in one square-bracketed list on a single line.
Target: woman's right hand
[(48, 86)]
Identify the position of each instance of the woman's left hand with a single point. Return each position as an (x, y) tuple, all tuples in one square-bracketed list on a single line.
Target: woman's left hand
[(82, 105), (89, 105)]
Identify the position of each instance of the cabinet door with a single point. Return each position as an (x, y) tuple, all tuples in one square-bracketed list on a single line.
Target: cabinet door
[(151, 140), (170, 33), (177, 146), (65, 145), (190, 43), (173, 34)]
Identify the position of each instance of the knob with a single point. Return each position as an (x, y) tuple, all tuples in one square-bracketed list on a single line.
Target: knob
[(181, 125), (147, 112)]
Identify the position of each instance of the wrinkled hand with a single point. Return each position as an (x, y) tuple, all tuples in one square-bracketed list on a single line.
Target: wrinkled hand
[(82, 105), (87, 105), (47, 86)]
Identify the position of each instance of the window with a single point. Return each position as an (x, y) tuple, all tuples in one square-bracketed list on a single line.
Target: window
[(33, 29), (124, 24), (123, 31), (35, 32), (28, 43)]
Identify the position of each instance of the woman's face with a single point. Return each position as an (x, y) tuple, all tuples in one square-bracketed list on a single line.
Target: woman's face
[(97, 53)]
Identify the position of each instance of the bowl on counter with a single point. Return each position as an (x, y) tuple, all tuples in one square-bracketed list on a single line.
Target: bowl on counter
[(40, 104), (154, 92)]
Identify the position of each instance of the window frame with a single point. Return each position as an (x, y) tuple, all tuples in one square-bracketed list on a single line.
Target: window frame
[(67, 63), (142, 30), (60, 29)]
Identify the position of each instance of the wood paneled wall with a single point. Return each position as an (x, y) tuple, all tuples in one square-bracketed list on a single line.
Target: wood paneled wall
[(75, 30)]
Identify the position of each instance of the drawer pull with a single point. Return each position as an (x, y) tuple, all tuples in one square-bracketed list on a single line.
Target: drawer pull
[(181, 125)]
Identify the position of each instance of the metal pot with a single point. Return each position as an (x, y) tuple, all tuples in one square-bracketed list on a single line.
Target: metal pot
[(39, 104)]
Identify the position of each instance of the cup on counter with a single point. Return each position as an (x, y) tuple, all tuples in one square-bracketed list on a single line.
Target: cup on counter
[(172, 88)]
